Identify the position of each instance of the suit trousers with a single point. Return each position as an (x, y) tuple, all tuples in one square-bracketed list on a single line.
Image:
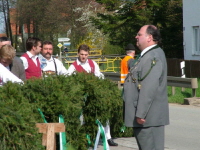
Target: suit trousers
[(150, 138)]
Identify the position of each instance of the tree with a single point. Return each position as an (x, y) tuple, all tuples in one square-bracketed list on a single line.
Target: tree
[(5, 6), (110, 5), (170, 20), (123, 23), (50, 22)]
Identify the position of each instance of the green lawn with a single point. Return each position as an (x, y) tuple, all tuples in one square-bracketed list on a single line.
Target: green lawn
[(180, 95)]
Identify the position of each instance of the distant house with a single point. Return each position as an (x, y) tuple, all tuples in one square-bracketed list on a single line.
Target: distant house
[(2, 34), (191, 29), (16, 30)]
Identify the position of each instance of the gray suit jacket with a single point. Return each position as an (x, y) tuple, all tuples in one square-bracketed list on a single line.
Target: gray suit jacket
[(150, 102), (130, 63), (17, 68)]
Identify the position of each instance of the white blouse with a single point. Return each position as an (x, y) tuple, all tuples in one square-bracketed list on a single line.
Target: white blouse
[(6, 75)]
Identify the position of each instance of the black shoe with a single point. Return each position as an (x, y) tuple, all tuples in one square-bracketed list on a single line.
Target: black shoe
[(112, 143)]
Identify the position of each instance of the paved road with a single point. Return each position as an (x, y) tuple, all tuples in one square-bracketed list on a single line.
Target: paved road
[(183, 133)]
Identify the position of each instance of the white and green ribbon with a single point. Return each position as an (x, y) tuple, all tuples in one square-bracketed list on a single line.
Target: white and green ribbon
[(88, 139), (123, 128), (102, 132), (42, 115), (62, 135)]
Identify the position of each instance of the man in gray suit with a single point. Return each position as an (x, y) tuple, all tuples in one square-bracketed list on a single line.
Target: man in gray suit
[(145, 92)]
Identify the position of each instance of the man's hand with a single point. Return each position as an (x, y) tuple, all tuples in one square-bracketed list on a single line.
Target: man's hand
[(140, 120)]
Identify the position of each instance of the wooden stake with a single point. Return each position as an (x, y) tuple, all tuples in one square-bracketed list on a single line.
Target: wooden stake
[(49, 130)]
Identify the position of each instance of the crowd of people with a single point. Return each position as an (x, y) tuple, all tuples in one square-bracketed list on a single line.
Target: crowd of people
[(144, 80)]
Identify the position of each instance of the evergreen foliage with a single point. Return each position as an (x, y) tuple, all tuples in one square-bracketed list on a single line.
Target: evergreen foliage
[(70, 96), (17, 120), (123, 22)]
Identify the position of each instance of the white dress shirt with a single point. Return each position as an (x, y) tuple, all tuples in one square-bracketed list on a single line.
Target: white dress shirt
[(49, 65), (25, 62), (146, 49), (87, 68), (6, 75)]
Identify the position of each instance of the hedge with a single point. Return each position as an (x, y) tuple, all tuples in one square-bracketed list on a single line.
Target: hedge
[(70, 96)]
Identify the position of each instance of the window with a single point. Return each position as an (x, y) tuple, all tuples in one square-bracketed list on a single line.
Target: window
[(196, 40)]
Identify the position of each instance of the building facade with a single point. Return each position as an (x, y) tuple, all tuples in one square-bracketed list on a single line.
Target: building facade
[(191, 29)]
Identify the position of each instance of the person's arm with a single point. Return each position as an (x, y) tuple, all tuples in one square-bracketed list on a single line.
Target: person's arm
[(6, 75), (149, 86), (25, 62), (130, 63), (71, 70), (17, 68), (97, 71), (62, 70), (22, 74)]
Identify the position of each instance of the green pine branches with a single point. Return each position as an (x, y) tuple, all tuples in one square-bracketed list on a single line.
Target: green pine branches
[(70, 96)]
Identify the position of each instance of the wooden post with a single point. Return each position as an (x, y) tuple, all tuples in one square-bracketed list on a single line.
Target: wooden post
[(44, 139), (49, 130), (193, 92), (173, 90)]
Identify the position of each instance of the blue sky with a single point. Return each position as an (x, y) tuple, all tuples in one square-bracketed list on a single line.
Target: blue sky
[(1, 23)]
